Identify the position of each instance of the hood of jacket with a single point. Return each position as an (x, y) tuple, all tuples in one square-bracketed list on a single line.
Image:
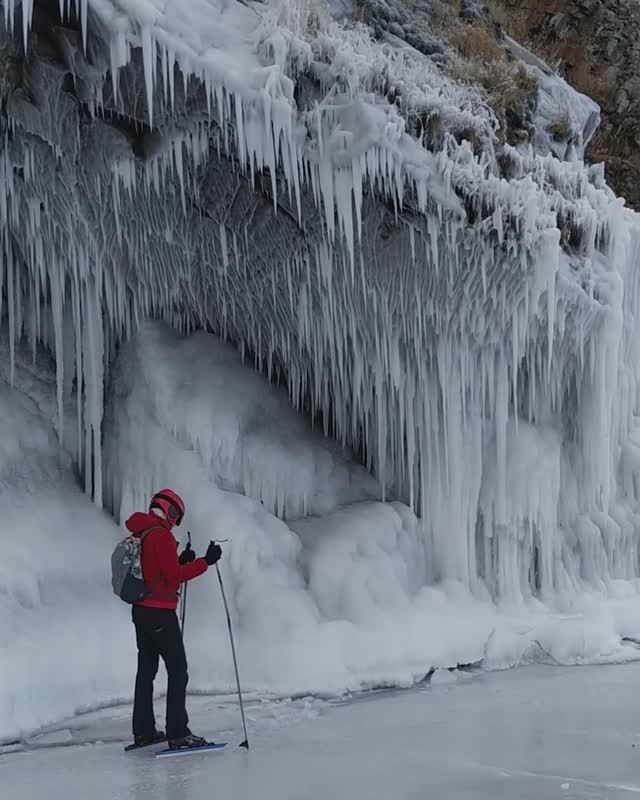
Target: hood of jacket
[(141, 521)]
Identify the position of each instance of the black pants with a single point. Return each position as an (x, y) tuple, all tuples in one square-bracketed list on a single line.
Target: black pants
[(158, 635)]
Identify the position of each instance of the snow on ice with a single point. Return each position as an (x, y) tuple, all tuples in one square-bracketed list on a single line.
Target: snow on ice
[(467, 322)]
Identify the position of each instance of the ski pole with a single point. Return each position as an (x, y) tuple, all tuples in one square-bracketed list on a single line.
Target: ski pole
[(235, 661), (183, 604)]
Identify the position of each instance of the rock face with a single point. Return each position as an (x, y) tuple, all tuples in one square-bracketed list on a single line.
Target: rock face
[(596, 43)]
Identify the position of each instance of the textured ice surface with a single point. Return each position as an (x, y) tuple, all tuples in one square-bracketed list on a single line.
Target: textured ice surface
[(535, 734)]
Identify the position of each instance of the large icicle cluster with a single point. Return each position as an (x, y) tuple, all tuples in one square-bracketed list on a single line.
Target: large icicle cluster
[(465, 319)]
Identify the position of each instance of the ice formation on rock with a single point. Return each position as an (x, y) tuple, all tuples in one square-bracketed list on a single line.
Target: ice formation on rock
[(242, 432), (468, 320)]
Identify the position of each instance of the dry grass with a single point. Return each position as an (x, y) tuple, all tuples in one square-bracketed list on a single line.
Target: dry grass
[(498, 13), (560, 128), (479, 59), (477, 43), (442, 14), (510, 19), (482, 60), (520, 22), (509, 85), (510, 88)]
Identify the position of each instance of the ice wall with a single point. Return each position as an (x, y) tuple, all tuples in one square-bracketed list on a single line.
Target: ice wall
[(452, 314), (246, 435), (325, 604)]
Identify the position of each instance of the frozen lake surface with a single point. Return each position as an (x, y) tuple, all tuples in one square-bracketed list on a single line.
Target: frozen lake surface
[(536, 732)]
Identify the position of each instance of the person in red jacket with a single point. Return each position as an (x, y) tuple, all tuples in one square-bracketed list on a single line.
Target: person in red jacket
[(158, 632)]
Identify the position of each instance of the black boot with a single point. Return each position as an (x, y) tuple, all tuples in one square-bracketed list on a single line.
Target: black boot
[(187, 742), (155, 738)]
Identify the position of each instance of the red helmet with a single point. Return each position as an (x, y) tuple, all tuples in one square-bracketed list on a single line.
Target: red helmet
[(170, 504)]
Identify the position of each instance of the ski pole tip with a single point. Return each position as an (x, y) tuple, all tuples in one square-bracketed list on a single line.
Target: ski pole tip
[(244, 744)]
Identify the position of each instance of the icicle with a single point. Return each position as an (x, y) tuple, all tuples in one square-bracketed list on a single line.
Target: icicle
[(11, 299), (84, 23), (148, 57), (27, 15), (56, 313), (514, 364)]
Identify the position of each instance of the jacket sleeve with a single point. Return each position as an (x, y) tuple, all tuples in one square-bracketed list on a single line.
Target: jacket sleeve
[(173, 572)]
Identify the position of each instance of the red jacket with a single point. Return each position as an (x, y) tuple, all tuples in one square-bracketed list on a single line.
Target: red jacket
[(160, 568)]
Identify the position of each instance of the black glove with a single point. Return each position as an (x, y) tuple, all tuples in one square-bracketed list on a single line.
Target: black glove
[(186, 556), (214, 551)]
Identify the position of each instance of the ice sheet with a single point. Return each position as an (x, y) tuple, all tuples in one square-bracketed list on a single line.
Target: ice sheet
[(535, 734)]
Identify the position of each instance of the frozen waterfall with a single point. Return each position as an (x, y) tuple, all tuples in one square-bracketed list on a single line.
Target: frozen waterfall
[(466, 319)]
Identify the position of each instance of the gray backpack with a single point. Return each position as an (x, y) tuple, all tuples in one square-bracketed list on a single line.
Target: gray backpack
[(126, 569)]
